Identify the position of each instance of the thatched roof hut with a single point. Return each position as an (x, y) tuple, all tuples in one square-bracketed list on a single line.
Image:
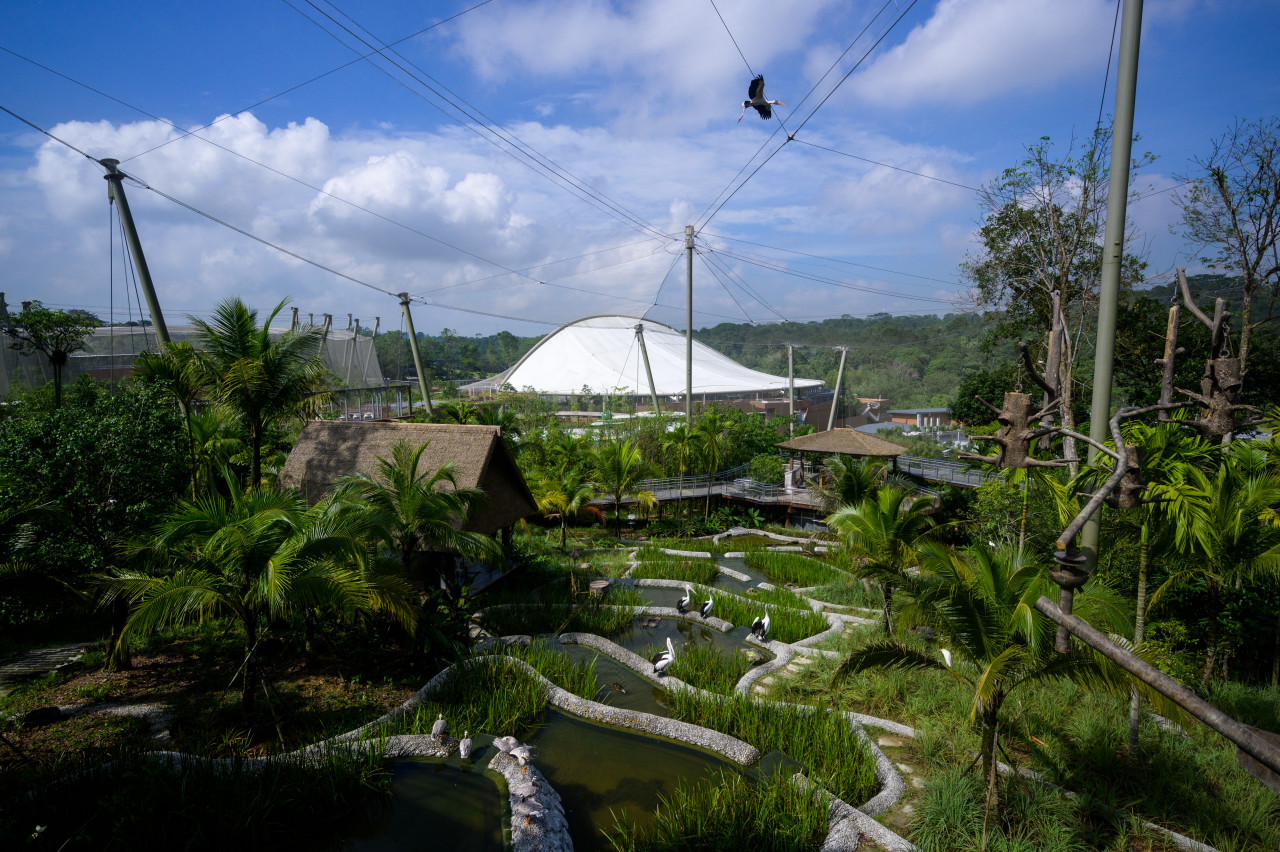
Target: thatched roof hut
[(848, 442), (327, 450)]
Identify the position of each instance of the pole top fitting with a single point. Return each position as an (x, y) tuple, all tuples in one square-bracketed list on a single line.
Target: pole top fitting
[(688, 236), (404, 298)]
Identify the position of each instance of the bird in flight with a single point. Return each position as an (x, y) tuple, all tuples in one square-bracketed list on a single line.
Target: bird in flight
[(756, 98)]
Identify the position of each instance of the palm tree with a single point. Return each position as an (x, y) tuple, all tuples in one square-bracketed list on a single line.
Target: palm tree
[(981, 603), (171, 368), (257, 556), (846, 481), (564, 494), (711, 435), (884, 532), (259, 380), (419, 511), (1237, 537), (619, 467)]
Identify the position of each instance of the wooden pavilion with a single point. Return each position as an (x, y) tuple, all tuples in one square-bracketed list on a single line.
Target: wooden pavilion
[(846, 442)]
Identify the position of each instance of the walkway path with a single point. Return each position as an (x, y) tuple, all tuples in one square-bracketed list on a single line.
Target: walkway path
[(29, 665)]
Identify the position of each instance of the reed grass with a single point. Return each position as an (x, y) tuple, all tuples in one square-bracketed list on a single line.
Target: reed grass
[(778, 596), (578, 677), (731, 815), (706, 667), (848, 592), (137, 803), (701, 571), (481, 696), (824, 742), (804, 571), (786, 624)]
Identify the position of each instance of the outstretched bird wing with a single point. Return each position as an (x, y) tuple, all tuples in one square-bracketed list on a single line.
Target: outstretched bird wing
[(756, 89)]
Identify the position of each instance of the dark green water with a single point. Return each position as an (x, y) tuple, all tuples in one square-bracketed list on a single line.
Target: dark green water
[(638, 694), (439, 806), (682, 632), (601, 772)]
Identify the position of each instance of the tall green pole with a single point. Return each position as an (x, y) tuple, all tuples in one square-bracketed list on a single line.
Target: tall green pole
[(688, 328), (115, 191), (1112, 256), (417, 356), (835, 400)]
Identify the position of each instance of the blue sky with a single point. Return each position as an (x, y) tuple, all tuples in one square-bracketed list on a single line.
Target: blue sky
[(635, 104)]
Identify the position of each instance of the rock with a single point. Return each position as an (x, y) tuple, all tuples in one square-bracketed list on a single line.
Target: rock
[(42, 716)]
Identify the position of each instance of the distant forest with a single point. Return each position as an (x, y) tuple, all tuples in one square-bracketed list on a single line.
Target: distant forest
[(913, 361)]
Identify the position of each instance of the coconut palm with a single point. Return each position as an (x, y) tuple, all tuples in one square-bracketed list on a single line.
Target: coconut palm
[(881, 535), (259, 380), (421, 511), (711, 435), (981, 604), (171, 368), (618, 469), (257, 556), (563, 494), (846, 481), (1236, 537)]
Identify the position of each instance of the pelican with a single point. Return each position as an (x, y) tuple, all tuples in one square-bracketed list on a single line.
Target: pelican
[(505, 744), (760, 627), (946, 657), (663, 659), (757, 100), (464, 745), (438, 729), (683, 603), (521, 753), (706, 607)]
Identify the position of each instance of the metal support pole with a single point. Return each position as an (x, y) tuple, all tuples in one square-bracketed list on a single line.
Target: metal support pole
[(351, 353), (791, 390), (835, 400), (688, 329), (377, 322), (644, 353), (115, 191), (1112, 255), (293, 320), (417, 356)]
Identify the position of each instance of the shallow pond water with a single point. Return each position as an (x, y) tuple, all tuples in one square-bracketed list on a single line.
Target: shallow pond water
[(683, 632), (448, 806), (636, 692), (603, 772)]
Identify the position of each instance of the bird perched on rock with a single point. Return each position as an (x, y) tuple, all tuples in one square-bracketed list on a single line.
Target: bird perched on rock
[(529, 807), (757, 100), (438, 729), (521, 753), (683, 604), (663, 659), (706, 607), (464, 745), (524, 789), (505, 744), (760, 627)]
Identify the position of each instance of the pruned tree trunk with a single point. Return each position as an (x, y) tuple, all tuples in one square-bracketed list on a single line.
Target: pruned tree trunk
[(1139, 630), (888, 607), (990, 771)]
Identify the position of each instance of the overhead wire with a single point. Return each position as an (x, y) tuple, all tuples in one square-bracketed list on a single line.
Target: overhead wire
[(533, 159), (888, 166), (777, 267), (711, 258), (716, 275)]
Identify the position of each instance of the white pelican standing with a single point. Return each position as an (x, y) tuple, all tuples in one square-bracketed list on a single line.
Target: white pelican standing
[(683, 604), (760, 627), (438, 729), (663, 659), (464, 745), (706, 607), (755, 94)]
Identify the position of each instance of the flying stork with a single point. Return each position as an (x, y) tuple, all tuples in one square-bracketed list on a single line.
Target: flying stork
[(755, 94)]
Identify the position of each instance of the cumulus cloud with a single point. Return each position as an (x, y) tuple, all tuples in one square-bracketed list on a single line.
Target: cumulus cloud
[(970, 51)]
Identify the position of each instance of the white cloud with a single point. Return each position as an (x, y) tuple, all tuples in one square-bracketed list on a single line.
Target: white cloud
[(975, 50)]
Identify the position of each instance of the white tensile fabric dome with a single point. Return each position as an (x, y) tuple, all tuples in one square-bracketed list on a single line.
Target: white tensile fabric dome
[(602, 353)]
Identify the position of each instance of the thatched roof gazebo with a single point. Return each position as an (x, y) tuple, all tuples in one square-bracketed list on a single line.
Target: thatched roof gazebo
[(327, 450), (845, 442)]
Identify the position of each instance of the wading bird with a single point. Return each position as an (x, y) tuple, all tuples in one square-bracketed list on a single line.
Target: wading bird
[(683, 604), (756, 99), (663, 659), (760, 627), (505, 744), (521, 753), (706, 607), (464, 745), (438, 729)]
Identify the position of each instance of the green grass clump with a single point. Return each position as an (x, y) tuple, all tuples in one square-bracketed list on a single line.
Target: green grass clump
[(561, 606), (705, 667), (786, 623), (701, 571), (848, 592), (804, 571), (484, 696), (140, 804), (556, 666), (772, 815), (824, 742)]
